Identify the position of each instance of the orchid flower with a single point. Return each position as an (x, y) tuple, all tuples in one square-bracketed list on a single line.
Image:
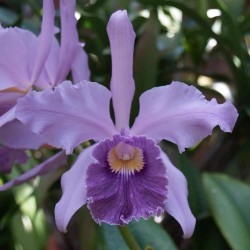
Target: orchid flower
[(124, 175), (26, 61)]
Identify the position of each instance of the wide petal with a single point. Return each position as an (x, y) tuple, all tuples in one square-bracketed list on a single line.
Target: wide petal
[(118, 197), (121, 37), (180, 113), (69, 40), (177, 203), (44, 168), (16, 135), (74, 189), (45, 39), (80, 68), (10, 156), (18, 47), (69, 114)]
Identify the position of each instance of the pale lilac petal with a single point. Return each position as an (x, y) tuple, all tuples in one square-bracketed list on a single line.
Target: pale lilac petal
[(117, 198), (69, 114), (69, 39), (52, 62), (7, 117), (45, 38), (80, 68), (10, 156), (177, 203), (122, 37), (44, 168), (8, 100), (47, 77), (15, 57), (17, 135), (74, 190), (180, 113)]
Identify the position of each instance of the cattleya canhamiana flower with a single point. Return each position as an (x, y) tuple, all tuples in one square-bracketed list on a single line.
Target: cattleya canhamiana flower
[(28, 60), (125, 174)]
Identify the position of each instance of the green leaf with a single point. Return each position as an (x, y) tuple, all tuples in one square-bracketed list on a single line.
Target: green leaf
[(195, 41), (91, 6), (42, 190), (23, 233), (146, 55), (8, 17), (244, 23), (111, 237), (196, 195), (92, 30), (207, 231), (119, 5), (235, 8), (152, 2), (146, 233), (202, 6), (146, 59), (230, 30), (204, 24), (150, 234), (229, 200)]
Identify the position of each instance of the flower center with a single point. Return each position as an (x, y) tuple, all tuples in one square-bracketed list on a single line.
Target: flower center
[(125, 159)]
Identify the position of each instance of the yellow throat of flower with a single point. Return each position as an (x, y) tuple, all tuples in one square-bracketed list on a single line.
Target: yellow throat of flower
[(15, 90), (125, 159)]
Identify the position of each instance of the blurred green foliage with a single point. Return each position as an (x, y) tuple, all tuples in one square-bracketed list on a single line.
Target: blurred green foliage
[(205, 43)]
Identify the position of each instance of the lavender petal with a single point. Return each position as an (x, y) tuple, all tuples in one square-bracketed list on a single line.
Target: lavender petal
[(181, 114)]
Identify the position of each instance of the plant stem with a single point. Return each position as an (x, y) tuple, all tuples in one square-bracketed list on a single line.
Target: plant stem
[(129, 238)]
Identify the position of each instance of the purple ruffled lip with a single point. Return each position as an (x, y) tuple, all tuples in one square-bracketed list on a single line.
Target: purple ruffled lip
[(116, 197)]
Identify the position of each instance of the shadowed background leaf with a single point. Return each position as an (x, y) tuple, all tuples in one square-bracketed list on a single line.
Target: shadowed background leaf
[(228, 199)]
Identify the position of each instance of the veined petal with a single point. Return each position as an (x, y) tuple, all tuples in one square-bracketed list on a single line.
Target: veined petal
[(177, 202), (10, 156), (180, 113), (69, 39), (74, 189), (45, 38), (122, 37), (44, 168), (69, 114), (16, 135), (117, 197), (80, 68)]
